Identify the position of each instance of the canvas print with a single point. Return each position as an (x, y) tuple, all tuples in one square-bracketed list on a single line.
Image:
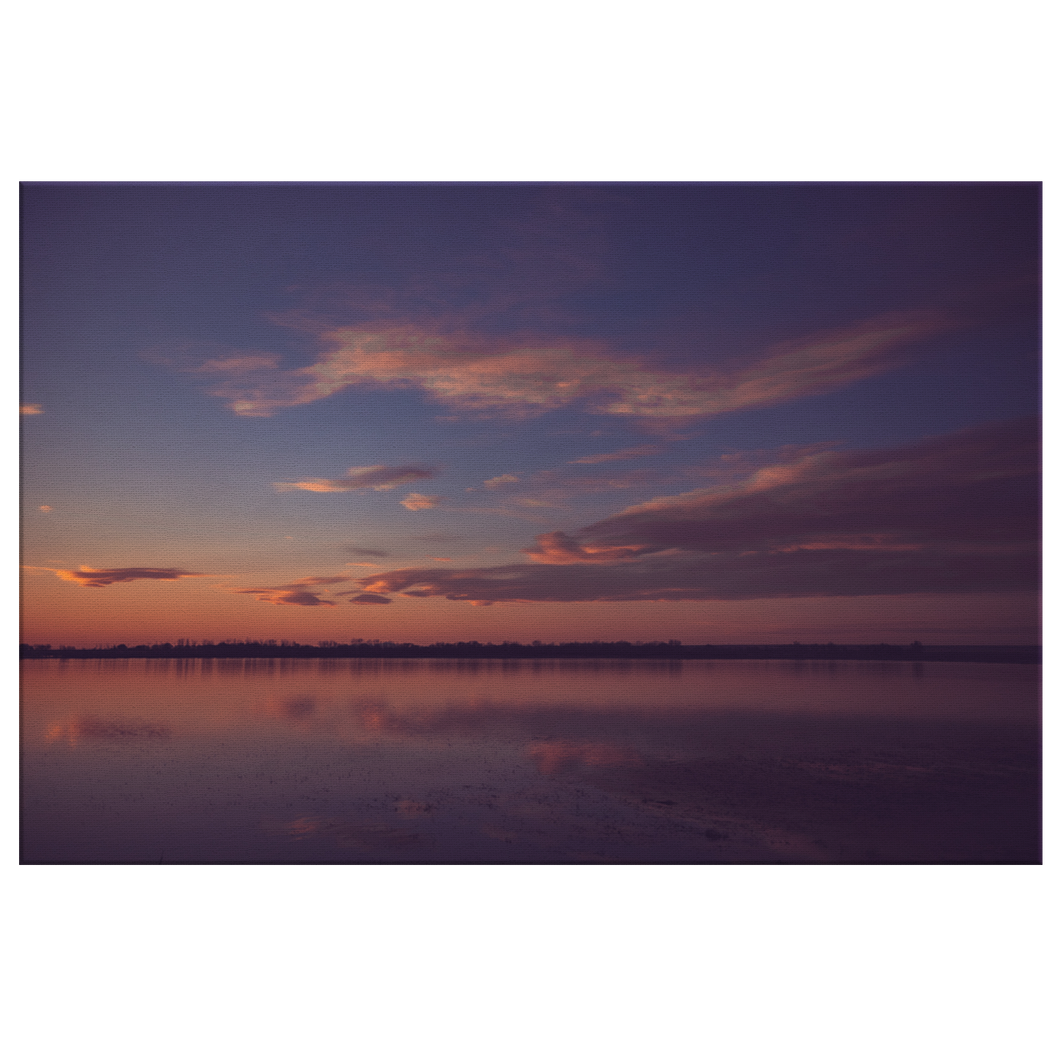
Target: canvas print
[(530, 523)]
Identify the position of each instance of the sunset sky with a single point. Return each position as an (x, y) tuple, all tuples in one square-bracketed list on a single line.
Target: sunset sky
[(716, 413)]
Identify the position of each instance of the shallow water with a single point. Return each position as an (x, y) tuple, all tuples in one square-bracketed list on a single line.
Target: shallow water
[(281, 761)]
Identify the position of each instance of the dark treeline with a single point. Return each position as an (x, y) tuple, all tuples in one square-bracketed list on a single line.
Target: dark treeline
[(621, 649)]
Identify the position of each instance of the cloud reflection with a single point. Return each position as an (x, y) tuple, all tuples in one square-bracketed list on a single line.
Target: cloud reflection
[(562, 756), (75, 727)]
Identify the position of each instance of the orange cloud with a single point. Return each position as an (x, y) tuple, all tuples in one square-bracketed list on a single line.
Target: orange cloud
[(376, 477), (471, 374), (30, 410), (99, 578), (500, 480), (300, 593), (416, 502)]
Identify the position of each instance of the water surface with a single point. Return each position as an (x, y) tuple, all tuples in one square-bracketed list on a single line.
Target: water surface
[(363, 760)]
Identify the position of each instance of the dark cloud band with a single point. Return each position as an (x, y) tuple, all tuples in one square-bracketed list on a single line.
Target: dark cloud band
[(957, 514)]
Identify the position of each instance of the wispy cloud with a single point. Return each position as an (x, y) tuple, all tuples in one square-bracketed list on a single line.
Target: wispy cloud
[(101, 577), (558, 548), (952, 514), (239, 363), (305, 592), (724, 576), (474, 375), (376, 477), (417, 502), (500, 480), (30, 410), (368, 598), (620, 454)]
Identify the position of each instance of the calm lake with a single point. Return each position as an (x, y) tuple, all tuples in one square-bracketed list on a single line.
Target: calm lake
[(467, 761)]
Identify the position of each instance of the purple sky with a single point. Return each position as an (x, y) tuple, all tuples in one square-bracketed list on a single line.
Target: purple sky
[(441, 412)]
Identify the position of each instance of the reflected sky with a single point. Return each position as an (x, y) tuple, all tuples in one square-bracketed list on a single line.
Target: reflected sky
[(546, 761)]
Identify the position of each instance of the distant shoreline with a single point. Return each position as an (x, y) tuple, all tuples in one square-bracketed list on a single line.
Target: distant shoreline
[(672, 650)]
